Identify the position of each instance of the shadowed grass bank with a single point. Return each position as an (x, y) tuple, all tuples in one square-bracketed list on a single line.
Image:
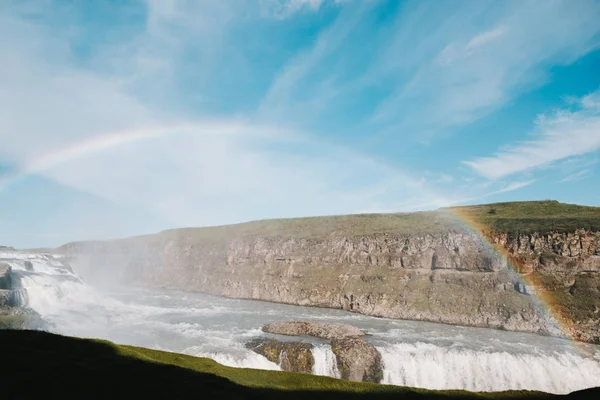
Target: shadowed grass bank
[(43, 364)]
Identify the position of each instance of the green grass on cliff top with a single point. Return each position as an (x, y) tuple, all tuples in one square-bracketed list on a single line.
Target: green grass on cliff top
[(534, 216), (63, 367), (525, 217), (531, 216)]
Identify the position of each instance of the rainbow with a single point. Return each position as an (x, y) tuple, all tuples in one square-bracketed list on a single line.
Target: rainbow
[(116, 138), (542, 299), (543, 302)]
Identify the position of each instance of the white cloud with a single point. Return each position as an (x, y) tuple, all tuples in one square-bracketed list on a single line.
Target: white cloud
[(485, 37), (438, 67), (216, 172), (203, 180), (280, 97), (446, 73), (512, 186), (577, 176), (558, 136), (287, 8)]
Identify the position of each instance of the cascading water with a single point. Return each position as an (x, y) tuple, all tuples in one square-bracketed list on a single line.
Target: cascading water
[(325, 362), (433, 367), (72, 307), (413, 353)]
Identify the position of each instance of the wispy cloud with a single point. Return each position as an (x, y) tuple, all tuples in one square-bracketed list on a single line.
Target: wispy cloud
[(485, 37), (291, 81), (465, 74), (577, 176), (216, 173), (431, 68), (512, 186), (332, 73), (286, 8), (557, 136)]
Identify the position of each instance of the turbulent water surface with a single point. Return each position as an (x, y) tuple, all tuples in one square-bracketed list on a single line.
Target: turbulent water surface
[(415, 354)]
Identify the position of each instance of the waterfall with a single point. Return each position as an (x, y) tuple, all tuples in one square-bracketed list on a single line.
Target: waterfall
[(18, 298), (432, 367), (325, 362)]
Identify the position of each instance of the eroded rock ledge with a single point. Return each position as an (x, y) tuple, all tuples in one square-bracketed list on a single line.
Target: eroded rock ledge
[(323, 330)]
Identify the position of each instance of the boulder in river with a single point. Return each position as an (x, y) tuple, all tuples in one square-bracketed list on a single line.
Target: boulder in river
[(290, 356), (28, 265), (357, 360)]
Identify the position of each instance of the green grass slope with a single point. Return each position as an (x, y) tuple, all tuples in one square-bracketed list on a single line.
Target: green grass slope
[(523, 216), (43, 365), (533, 216)]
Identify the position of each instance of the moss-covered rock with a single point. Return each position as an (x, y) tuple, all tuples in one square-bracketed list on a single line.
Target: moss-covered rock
[(290, 356)]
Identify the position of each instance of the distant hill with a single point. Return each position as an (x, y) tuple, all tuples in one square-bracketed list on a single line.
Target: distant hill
[(523, 216)]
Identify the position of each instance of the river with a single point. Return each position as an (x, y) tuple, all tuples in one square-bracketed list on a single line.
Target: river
[(418, 354)]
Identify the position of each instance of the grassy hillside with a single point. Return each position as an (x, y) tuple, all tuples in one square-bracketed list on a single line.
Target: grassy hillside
[(526, 216), (533, 216), (57, 366)]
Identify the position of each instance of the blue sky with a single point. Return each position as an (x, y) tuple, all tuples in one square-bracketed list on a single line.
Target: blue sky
[(122, 118)]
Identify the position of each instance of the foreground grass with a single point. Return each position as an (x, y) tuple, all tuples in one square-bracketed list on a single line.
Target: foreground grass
[(40, 363)]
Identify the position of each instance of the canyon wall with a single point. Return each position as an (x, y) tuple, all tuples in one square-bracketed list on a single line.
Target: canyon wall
[(530, 282)]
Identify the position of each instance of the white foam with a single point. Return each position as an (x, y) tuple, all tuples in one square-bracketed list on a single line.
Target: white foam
[(432, 367), (237, 359)]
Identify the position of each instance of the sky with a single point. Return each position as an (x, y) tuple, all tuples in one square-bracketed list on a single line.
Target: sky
[(124, 118)]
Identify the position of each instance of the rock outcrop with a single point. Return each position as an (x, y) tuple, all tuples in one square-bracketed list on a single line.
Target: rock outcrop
[(5, 277), (323, 330), (420, 266), (357, 360), (290, 356), (14, 313)]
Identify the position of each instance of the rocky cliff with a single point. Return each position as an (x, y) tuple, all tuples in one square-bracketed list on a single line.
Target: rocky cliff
[(421, 266)]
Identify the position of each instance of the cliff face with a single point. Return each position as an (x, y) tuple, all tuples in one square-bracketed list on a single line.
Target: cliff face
[(452, 277)]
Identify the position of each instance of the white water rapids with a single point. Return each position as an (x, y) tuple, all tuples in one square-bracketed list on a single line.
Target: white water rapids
[(415, 354)]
